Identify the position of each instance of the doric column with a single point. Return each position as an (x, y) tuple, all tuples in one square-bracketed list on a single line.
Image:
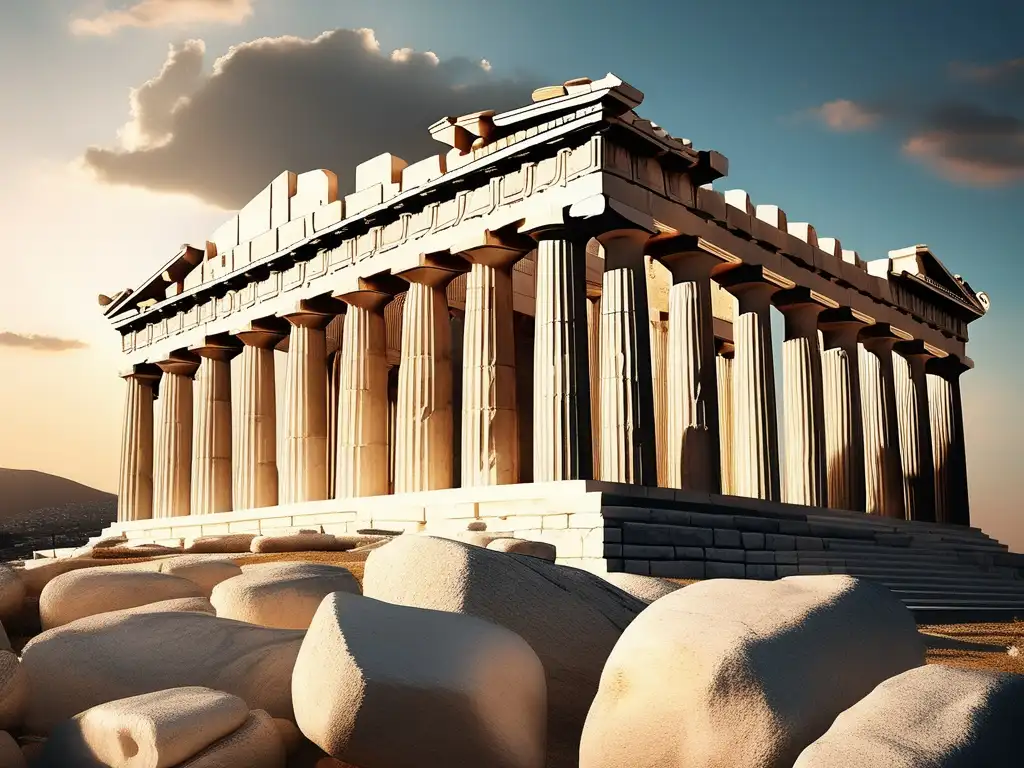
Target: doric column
[(135, 484), (211, 447), (755, 422), (628, 451), (490, 421), (844, 421), (172, 461), (693, 441), (362, 407), (423, 452), (303, 475), (561, 386), (803, 408), (948, 446), (883, 468), (909, 359), (659, 382), (333, 336), (723, 365), (256, 482), (594, 361)]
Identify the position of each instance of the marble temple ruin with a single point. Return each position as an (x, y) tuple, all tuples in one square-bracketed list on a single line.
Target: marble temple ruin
[(553, 318)]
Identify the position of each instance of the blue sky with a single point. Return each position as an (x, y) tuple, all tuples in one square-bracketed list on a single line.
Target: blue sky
[(741, 77)]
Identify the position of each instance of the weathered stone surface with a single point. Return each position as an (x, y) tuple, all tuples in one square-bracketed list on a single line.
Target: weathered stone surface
[(928, 716), (230, 543), (205, 571), (178, 605), (744, 673), (283, 595), (158, 730), (257, 744), (300, 542), (12, 591), (646, 588), (570, 617), (291, 736), (117, 655), (539, 549), (83, 593), (391, 685), (5, 643), (13, 690), (11, 755)]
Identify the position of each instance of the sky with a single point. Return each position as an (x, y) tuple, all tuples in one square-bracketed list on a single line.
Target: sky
[(132, 126)]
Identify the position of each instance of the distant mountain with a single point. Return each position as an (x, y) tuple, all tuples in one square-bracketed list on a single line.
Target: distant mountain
[(23, 490)]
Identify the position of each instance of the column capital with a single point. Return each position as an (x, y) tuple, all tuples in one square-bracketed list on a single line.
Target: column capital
[(435, 270), (181, 362), (221, 347), (684, 257), (726, 349), (950, 367), (753, 285), (841, 327), (499, 248), (144, 372), (263, 335), (315, 313), (918, 349)]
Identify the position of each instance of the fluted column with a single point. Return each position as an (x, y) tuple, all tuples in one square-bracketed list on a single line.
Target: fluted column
[(659, 381), (693, 441), (256, 481), (844, 421), (755, 425), (909, 360), (211, 448), (362, 406), (883, 468), (628, 451), (803, 404), (423, 454), (723, 365), (172, 461), (561, 390), (948, 446), (490, 420), (594, 360), (135, 483), (333, 335), (303, 475)]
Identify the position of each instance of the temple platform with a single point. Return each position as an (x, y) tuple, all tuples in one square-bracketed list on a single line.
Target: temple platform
[(942, 572)]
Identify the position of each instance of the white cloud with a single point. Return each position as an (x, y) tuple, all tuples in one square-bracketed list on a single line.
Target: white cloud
[(159, 13)]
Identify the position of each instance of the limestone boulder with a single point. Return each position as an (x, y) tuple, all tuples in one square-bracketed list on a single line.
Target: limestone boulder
[(205, 571), (88, 592), (135, 550), (13, 691), (11, 755), (307, 541), (123, 654), (257, 744), (179, 605), (284, 595), (390, 685), (36, 574), (156, 730), (744, 673), (646, 588), (926, 717), (228, 544), (12, 591), (540, 549), (570, 617)]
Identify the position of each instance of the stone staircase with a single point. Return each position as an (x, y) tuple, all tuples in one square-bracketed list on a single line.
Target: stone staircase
[(943, 573)]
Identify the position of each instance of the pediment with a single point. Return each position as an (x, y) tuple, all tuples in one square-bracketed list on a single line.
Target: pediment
[(921, 264), (168, 281)]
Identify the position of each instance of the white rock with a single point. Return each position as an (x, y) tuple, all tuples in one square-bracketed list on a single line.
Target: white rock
[(11, 755), (388, 685), (88, 592), (284, 595), (744, 673), (300, 542), (257, 744), (646, 588), (178, 605), (154, 730), (570, 617), (230, 543), (117, 655), (927, 717), (12, 591), (13, 691), (513, 546)]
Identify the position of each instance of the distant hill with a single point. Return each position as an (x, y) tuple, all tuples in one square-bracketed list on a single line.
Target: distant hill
[(22, 490)]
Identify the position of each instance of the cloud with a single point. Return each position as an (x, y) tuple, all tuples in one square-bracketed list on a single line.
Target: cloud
[(39, 343), (158, 13), (843, 115), (290, 103), (1003, 73)]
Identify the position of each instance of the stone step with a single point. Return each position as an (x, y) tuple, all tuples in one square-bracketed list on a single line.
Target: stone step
[(969, 602), (959, 593), (912, 581)]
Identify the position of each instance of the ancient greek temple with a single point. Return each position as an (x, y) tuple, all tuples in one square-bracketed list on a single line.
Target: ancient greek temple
[(557, 315)]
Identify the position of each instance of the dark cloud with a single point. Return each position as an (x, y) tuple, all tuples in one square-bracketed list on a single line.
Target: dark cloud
[(39, 343), (160, 13), (291, 103), (962, 141)]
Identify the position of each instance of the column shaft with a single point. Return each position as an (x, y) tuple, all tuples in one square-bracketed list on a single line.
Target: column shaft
[(303, 474), (256, 482), (490, 428), (594, 360), (915, 436), (211, 452), (333, 339), (423, 456), (723, 365), (948, 446), (173, 450), (659, 381), (883, 470), (135, 486), (562, 447), (362, 407), (844, 421)]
